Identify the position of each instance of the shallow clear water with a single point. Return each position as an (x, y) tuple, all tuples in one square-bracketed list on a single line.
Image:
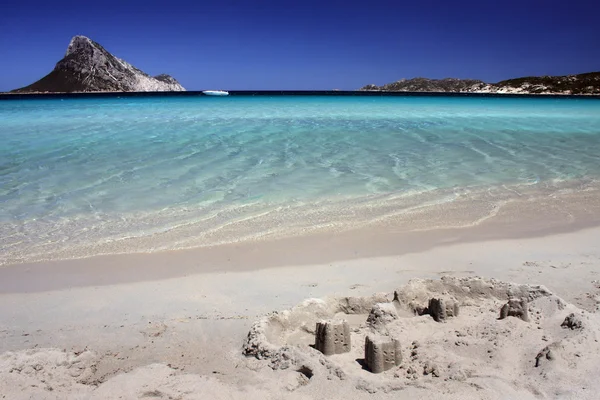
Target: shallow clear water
[(83, 171)]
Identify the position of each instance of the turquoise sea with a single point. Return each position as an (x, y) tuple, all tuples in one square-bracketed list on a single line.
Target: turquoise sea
[(87, 176)]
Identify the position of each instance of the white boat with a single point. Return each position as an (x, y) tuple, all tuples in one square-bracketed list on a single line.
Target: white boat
[(215, 92)]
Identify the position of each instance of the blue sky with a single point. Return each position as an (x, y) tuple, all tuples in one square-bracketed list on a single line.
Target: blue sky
[(310, 44)]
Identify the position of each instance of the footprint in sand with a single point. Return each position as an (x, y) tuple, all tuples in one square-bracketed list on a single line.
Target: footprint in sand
[(443, 273), (154, 330), (356, 286), (547, 264)]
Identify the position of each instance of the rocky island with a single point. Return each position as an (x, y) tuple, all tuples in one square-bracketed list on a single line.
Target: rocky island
[(88, 67), (588, 83)]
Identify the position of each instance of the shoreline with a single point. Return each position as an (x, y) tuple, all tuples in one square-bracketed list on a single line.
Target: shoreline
[(248, 256), (492, 212)]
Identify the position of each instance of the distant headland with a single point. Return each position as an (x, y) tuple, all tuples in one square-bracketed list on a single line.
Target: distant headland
[(588, 83)]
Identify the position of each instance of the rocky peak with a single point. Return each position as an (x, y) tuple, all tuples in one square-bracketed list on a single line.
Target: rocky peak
[(89, 67), (79, 44)]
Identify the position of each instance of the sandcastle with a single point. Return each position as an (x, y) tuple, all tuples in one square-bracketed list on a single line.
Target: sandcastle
[(440, 310), (515, 308), (382, 353), (446, 329), (332, 337)]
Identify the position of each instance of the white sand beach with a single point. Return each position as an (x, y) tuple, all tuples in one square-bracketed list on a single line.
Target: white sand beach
[(173, 324)]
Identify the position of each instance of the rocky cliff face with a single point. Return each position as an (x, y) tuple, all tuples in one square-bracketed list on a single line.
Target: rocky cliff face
[(88, 67), (588, 83)]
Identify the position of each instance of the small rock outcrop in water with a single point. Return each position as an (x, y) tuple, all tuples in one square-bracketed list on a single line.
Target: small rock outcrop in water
[(588, 83), (88, 67), (332, 337)]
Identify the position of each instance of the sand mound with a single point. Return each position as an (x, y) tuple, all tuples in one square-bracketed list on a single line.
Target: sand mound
[(542, 347), (46, 374), (52, 374)]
